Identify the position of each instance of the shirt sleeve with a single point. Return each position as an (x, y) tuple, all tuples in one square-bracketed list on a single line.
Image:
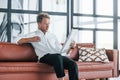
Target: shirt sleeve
[(17, 39), (23, 36)]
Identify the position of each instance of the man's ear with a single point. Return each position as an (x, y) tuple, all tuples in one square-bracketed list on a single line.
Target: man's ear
[(39, 24)]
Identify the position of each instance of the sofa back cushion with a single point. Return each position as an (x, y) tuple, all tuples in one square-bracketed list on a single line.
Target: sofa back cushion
[(14, 52), (25, 52), (75, 52)]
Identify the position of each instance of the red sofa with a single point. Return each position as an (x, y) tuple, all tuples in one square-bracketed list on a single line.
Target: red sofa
[(19, 62)]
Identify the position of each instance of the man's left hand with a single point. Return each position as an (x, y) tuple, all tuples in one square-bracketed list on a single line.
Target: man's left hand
[(73, 45)]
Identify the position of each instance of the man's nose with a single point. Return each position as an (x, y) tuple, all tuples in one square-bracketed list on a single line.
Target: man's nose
[(47, 25)]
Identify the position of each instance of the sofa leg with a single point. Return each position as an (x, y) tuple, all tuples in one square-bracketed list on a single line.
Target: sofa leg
[(104, 79), (91, 79)]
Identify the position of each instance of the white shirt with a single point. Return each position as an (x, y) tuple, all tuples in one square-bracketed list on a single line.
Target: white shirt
[(48, 43)]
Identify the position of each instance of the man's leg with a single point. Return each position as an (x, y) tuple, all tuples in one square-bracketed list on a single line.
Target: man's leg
[(56, 61), (72, 68)]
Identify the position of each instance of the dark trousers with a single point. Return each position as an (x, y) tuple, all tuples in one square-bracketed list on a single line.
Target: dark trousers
[(60, 63)]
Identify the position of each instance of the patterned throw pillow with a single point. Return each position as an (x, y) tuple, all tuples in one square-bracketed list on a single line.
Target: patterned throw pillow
[(92, 55)]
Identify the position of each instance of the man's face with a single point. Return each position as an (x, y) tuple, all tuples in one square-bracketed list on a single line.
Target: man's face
[(44, 25)]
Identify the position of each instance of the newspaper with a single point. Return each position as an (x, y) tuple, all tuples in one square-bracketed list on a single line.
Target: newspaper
[(69, 40)]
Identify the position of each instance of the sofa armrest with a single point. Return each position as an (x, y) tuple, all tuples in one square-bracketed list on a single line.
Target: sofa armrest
[(11, 52), (113, 55)]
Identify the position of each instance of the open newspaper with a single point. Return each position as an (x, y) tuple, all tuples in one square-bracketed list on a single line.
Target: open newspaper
[(69, 40)]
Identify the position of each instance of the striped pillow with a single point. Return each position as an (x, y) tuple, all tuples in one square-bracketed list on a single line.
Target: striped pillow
[(92, 55)]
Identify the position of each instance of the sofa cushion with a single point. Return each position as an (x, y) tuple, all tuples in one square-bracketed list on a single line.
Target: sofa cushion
[(94, 66), (41, 67), (92, 55), (74, 54), (14, 52), (25, 67)]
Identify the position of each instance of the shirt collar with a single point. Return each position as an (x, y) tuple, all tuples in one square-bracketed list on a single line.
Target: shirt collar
[(42, 32)]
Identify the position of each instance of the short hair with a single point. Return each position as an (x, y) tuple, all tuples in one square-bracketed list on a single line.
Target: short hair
[(40, 16)]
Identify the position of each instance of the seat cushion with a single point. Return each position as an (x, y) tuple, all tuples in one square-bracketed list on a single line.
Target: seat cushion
[(94, 66), (25, 67), (41, 67)]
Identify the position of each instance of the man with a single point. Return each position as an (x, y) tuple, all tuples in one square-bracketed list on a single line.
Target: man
[(48, 48)]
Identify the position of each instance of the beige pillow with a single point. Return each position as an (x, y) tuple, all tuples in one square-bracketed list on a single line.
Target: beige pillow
[(92, 55)]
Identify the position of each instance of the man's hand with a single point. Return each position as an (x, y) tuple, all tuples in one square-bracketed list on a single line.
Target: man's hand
[(73, 45)]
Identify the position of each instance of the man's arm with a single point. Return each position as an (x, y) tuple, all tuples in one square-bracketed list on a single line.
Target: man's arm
[(31, 39)]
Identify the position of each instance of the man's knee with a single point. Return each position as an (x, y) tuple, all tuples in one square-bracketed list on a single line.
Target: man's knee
[(57, 58), (73, 64)]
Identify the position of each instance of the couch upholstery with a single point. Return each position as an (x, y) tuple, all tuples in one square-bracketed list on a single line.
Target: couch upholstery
[(19, 62)]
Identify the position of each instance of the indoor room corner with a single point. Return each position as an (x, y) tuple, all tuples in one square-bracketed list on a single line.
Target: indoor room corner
[(96, 22)]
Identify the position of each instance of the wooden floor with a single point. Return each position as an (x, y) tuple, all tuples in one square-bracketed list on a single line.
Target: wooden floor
[(105, 79)]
